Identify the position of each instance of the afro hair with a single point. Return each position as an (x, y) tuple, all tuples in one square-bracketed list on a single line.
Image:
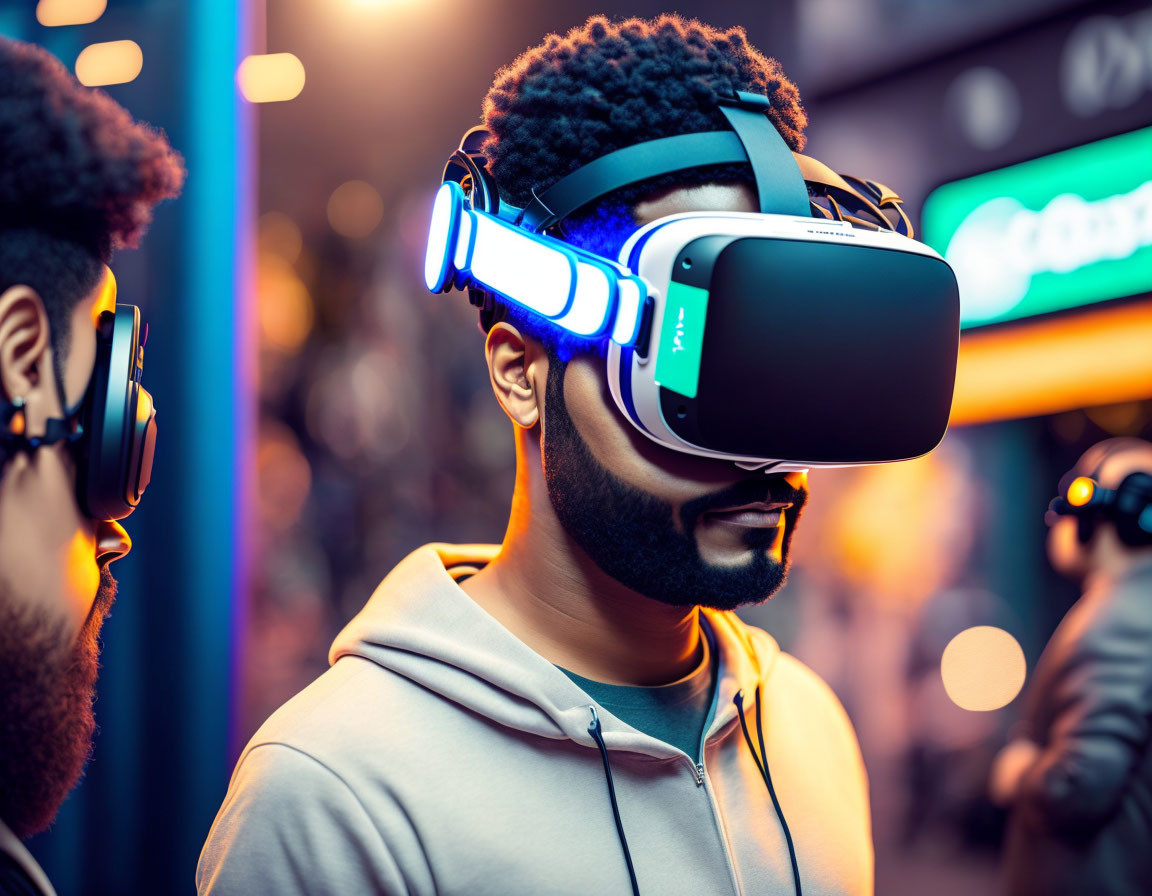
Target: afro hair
[(78, 179), (604, 86)]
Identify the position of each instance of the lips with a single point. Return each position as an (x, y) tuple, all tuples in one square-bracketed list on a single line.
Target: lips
[(756, 515)]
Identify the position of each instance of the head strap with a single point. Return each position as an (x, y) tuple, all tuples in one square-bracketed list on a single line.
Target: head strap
[(781, 175), (753, 141), (779, 183)]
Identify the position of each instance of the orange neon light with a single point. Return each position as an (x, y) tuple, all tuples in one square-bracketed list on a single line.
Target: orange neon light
[(1080, 491), (1096, 357), (106, 301)]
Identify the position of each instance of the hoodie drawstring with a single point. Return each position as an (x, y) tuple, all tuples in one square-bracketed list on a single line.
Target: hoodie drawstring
[(597, 735), (762, 764)]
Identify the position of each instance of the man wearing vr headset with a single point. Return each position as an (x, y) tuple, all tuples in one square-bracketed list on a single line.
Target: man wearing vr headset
[(578, 710), (78, 178), (1078, 778)]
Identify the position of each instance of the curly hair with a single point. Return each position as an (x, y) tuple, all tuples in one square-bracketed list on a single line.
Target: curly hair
[(604, 86), (78, 179)]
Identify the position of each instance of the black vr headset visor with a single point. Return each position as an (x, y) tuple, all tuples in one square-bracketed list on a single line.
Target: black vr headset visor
[(810, 354)]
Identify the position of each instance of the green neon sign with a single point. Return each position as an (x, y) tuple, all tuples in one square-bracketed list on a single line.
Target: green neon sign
[(1058, 232)]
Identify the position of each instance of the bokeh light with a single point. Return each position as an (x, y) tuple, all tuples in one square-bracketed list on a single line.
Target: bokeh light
[(983, 668), (54, 13), (887, 536), (1080, 491), (286, 311), (270, 78), (358, 407), (113, 62), (284, 476), (355, 209), (279, 235)]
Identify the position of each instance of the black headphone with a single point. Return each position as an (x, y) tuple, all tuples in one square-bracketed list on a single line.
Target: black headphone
[(1128, 506), (112, 431), (468, 167)]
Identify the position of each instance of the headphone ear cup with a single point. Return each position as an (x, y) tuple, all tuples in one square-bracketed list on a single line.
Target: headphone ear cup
[(113, 469), (142, 447), (1133, 517), (469, 168), (92, 447)]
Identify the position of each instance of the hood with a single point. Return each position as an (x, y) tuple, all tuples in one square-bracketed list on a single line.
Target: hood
[(420, 624)]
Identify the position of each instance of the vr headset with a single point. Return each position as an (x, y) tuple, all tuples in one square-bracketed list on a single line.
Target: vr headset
[(815, 333), (1128, 506), (112, 430)]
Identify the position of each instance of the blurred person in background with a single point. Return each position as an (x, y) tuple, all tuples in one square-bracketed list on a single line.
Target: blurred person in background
[(78, 179), (1078, 778), (450, 748)]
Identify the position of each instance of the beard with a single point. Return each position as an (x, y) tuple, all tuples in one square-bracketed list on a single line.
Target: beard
[(47, 687), (632, 536)]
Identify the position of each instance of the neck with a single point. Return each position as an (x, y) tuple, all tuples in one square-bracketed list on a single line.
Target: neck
[(544, 589)]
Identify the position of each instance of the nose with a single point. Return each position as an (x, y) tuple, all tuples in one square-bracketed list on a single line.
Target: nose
[(112, 542)]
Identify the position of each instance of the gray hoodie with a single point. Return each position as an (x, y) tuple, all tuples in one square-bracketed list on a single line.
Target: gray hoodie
[(440, 754)]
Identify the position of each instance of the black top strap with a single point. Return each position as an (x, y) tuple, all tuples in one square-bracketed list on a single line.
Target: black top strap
[(628, 166), (753, 140), (778, 180)]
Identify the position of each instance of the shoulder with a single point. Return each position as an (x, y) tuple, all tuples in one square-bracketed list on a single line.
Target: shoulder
[(791, 689), (284, 804), (301, 788), (810, 700), (1110, 623), (347, 708)]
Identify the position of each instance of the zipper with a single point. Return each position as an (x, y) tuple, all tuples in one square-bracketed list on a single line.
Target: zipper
[(725, 846)]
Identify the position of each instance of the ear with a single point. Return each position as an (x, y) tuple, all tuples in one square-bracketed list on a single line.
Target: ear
[(518, 368), (25, 362)]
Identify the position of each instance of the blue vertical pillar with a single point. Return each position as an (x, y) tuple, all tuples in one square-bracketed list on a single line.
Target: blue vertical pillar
[(220, 382)]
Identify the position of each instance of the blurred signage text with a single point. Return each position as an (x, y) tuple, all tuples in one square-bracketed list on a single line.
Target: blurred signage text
[(1065, 230)]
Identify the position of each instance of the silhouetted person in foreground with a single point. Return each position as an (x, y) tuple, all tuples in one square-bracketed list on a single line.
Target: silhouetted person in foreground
[(1078, 781), (78, 179)]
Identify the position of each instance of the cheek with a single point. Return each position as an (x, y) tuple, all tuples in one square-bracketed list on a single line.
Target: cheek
[(48, 540), (81, 576), (625, 451), (81, 358)]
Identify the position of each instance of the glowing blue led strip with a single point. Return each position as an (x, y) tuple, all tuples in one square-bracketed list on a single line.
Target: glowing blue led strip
[(576, 290)]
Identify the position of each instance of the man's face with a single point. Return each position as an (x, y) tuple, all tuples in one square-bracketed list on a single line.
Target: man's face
[(55, 587), (680, 529)]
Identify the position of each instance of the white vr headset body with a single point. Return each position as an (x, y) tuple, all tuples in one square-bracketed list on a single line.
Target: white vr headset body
[(780, 340)]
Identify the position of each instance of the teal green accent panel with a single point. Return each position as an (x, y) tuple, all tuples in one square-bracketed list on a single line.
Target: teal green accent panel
[(1065, 230), (681, 339)]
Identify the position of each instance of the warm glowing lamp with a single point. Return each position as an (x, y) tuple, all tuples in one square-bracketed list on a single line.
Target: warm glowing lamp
[(355, 209), (54, 13), (1080, 491), (270, 77), (113, 62)]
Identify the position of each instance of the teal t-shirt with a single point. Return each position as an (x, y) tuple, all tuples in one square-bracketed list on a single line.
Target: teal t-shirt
[(676, 713)]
